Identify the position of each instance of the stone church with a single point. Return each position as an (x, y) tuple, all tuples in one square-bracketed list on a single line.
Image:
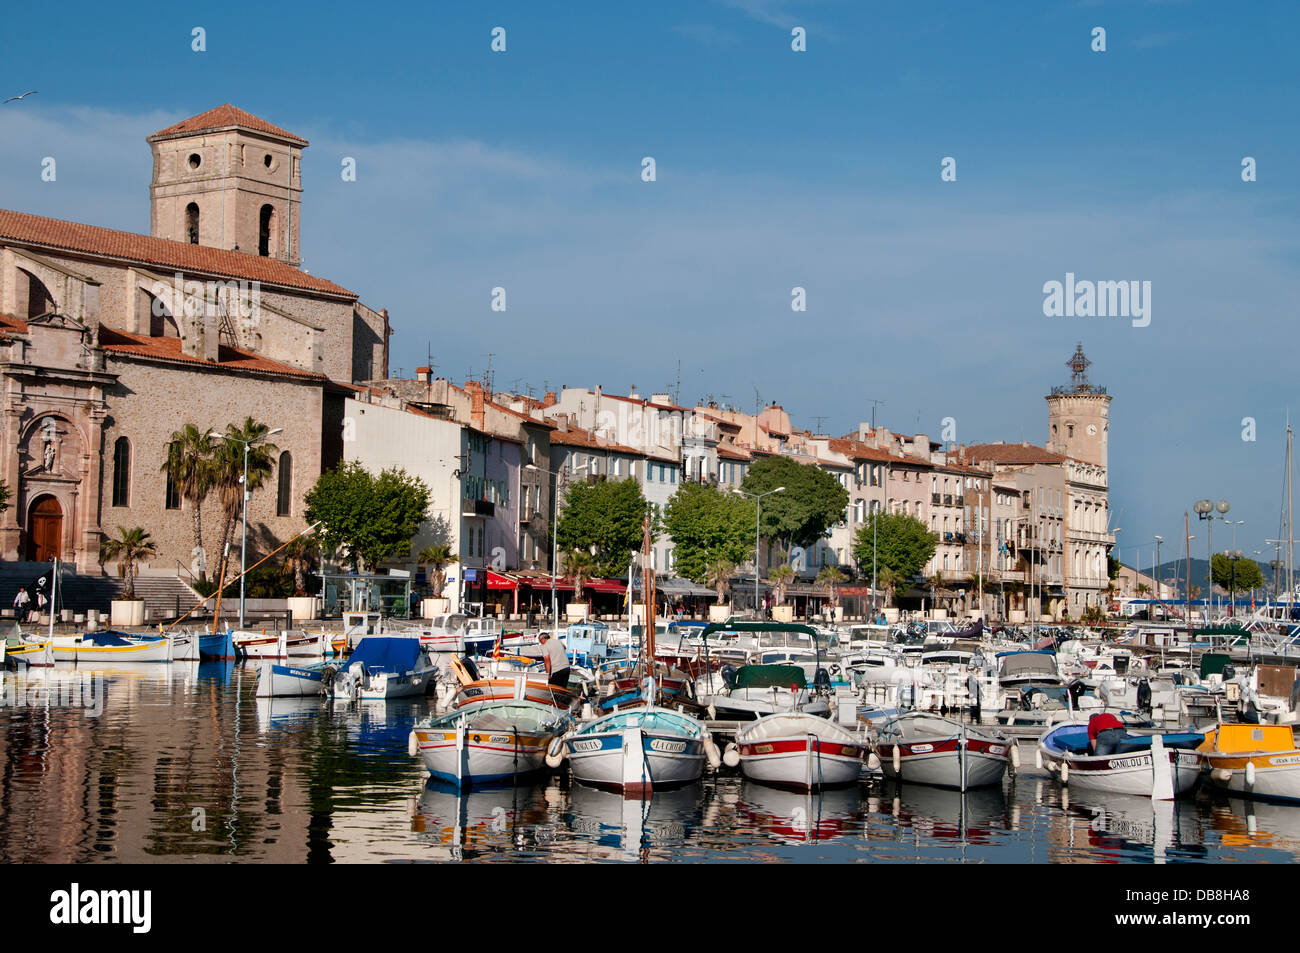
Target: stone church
[(111, 341)]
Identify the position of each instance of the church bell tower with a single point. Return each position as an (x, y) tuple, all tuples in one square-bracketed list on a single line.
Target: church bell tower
[(1078, 415), (227, 179)]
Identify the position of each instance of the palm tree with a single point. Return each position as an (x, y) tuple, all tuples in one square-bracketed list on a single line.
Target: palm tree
[(780, 577), (130, 546), (581, 565), (439, 556), (889, 580), (936, 585), (297, 560), (829, 580), (189, 465), (228, 469), (719, 573)]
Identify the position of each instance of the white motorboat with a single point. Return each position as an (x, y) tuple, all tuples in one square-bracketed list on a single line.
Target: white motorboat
[(1158, 766), (384, 667), (260, 645), (797, 750), (489, 743), (460, 633), (637, 751), (926, 749), (29, 652), (757, 690)]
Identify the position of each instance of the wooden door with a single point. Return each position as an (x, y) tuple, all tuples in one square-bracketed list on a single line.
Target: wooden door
[(45, 529)]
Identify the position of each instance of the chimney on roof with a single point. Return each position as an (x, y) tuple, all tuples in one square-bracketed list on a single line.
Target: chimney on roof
[(549, 399), (921, 446), (476, 405), (422, 374)]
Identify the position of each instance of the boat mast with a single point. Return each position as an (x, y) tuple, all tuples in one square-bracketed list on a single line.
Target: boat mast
[(1290, 527)]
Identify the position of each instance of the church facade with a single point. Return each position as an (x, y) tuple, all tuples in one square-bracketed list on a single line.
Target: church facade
[(111, 341)]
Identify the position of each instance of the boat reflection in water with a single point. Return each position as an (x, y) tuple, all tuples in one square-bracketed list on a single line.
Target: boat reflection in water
[(480, 823), (1249, 826), (946, 818), (1118, 828), (794, 817), (613, 827)]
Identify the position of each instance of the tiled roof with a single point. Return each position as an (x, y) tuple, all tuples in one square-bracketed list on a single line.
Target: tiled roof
[(860, 451), (577, 437), (55, 234), (116, 342), (505, 410), (225, 116), (1010, 453), (733, 453), (11, 326), (646, 403)]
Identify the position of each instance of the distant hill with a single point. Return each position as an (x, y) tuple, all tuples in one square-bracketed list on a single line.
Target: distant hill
[(1173, 572)]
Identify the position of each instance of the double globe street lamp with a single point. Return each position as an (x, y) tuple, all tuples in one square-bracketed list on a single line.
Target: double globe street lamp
[(1210, 511)]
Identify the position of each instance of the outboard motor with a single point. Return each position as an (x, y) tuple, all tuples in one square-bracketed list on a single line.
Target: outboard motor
[(822, 682), (728, 673), (1076, 688), (1229, 673), (1250, 714), (1144, 695)]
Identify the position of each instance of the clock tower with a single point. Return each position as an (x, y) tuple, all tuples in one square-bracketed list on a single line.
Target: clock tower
[(1078, 415)]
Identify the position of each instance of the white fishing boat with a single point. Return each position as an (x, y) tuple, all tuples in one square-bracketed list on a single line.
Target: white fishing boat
[(922, 748), (1157, 766), (275, 680), (30, 652), (504, 681), (260, 645), (797, 750), (1260, 761), (637, 751), (489, 743), (110, 646), (384, 667), (460, 633)]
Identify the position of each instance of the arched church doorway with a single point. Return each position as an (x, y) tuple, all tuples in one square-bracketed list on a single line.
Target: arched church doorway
[(44, 529)]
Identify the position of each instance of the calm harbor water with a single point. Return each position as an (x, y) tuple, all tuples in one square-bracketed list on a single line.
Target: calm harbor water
[(139, 763)]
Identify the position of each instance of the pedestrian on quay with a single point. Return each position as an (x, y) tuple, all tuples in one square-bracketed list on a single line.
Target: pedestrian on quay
[(556, 659), (21, 602)]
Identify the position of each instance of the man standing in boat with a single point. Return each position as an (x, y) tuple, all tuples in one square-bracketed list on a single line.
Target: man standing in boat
[(556, 659)]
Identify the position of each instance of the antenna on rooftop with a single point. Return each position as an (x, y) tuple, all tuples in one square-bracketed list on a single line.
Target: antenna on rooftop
[(874, 403), (819, 424)]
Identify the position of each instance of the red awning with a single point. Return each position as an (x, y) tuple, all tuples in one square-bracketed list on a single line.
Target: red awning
[(606, 585), (545, 584), (496, 580)]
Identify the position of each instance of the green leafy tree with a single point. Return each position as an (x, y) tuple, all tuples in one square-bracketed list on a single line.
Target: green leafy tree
[(606, 515), (708, 526), (1113, 565), (439, 556), (130, 546), (373, 516), (1248, 574), (903, 544), (888, 581), (227, 470), (813, 500), (189, 463), (780, 577)]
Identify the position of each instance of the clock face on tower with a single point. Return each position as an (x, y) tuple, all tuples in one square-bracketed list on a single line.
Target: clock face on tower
[(1092, 430)]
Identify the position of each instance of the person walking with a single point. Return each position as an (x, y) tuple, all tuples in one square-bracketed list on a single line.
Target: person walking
[(556, 659), (21, 602)]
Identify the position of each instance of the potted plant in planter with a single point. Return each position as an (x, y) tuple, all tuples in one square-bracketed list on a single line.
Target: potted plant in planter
[(719, 576), (435, 559), (581, 565), (130, 547), (780, 577)]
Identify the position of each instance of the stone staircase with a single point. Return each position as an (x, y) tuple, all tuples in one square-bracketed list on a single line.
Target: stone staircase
[(165, 596)]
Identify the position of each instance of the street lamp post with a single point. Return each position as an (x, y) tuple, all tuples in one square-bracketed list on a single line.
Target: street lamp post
[(1206, 510), (243, 485), (1155, 574), (1233, 555), (555, 512), (758, 510)]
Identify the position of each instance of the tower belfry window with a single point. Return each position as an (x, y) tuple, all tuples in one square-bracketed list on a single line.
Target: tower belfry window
[(266, 227), (192, 223)]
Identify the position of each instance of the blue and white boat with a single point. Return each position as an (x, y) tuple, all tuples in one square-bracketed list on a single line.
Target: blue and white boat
[(383, 667), (275, 680), (637, 751), (217, 646), (587, 644)]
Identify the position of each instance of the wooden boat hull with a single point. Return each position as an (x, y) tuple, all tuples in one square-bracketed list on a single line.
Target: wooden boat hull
[(29, 655), (941, 753), (1258, 761), (216, 647), (823, 756), (1132, 772), (289, 681), (639, 751), (479, 758), (73, 649)]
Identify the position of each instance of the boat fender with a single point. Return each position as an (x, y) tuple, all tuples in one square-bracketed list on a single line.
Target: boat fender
[(873, 762), (556, 753), (713, 712), (1015, 755), (1038, 758), (731, 756), (412, 745), (897, 758), (711, 752), (1222, 775), (1065, 772), (1250, 774)]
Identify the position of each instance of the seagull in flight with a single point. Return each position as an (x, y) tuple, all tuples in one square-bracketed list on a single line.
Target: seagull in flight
[(14, 99)]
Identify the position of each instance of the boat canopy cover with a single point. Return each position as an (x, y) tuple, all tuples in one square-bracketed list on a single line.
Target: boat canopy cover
[(770, 676), (1212, 663), (1021, 664), (386, 654), (106, 639)]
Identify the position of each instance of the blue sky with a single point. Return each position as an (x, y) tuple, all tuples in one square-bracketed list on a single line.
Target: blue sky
[(775, 169)]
